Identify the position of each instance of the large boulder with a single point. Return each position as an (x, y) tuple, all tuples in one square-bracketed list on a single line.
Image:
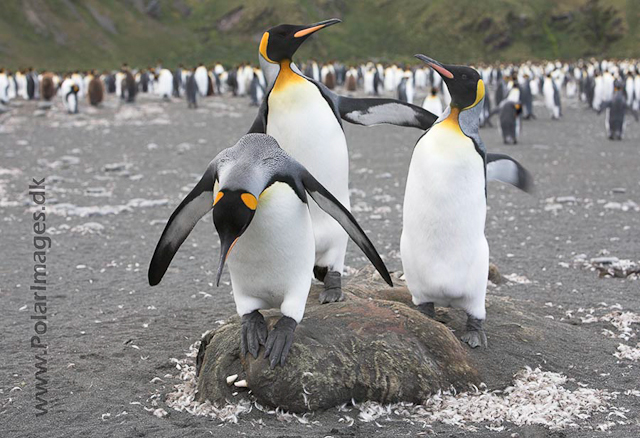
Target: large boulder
[(373, 346)]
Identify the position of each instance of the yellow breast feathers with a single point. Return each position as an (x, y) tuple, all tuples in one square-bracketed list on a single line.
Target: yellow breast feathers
[(286, 77)]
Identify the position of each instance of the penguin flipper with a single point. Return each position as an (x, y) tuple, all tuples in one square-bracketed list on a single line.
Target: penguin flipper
[(374, 111), (196, 204), (503, 168), (259, 125), (327, 202)]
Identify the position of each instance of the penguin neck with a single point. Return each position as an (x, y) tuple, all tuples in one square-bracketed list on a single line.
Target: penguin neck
[(452, 121), (270, 71), (286, 76)]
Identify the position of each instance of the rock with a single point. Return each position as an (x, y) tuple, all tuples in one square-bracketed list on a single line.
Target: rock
[(184, 147), (153, 9), (97, 191), (373, 346), (614, 267), (613, 206), (604, 260), (566, 199), (115, 167), (69, 160), (45, 104), (104, 21), (494, 274), (517, 338), (553, 207)]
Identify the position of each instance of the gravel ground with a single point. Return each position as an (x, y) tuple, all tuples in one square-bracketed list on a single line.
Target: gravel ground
[(109, 334)]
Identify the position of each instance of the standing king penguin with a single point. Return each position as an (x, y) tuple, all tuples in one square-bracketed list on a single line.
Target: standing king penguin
[(260, 209), (445, 254), (305, 117)]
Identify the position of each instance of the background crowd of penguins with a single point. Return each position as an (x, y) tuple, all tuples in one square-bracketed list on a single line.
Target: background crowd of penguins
[(605, 85)]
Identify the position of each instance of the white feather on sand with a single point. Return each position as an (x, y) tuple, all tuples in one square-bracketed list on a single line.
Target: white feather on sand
[(535, 397)]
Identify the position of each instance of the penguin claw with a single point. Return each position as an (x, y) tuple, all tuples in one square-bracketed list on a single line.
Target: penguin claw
[(475, 335), (428, 309), (475, 338), (279, 341), (332, 295), (332, 292), (254, 333)]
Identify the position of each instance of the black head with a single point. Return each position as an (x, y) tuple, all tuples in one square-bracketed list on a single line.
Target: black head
[(281, 42), (233, 211), (464, 83)]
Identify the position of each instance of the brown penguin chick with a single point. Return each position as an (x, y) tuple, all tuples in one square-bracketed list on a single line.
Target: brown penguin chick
[(96, 90), (47, 87), (351, 83), (330, 80)]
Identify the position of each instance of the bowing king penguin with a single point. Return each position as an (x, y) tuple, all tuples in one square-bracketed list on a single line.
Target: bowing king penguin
[(258, 194), (445, 254), (305, 117)]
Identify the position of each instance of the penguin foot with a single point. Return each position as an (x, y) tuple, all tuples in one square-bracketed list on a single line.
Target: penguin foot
[(332, 292), (320, 272), (254, 333), (428, 309), (475, 335), (279, 341)]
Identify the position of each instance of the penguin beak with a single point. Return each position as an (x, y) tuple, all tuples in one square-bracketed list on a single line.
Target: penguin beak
[(226, 246), (442, 71), (316, 27), (233, 211)]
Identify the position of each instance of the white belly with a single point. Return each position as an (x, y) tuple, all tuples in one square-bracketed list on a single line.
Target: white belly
[(165, 84), (304, 125), (201, 80), (445, 255), (272, 262)]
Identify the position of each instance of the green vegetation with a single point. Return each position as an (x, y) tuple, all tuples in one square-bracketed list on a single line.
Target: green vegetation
[(70, 34)]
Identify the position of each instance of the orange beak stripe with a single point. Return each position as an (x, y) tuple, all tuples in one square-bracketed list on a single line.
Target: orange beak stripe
[(307, 31), (230, 248), (443, 71)]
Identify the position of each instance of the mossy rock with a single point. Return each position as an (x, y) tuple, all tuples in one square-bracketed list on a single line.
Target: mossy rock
[(372, 346)]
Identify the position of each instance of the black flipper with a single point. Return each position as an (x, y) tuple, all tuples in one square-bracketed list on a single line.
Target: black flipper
[(259, 125), (384, 111), (503, 168), (197, 203), (327, 202)]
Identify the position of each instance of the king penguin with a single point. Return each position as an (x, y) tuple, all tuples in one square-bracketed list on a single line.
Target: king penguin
[(615, 110), (432, 102), (260, 210), (510, 124), (191, 90), (69, 91), (305, 117), (445, 254), (201, 77), (551, 97)]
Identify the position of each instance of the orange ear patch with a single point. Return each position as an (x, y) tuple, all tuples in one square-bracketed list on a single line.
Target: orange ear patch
[(218, 197), (263, 47), (249, 200)]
